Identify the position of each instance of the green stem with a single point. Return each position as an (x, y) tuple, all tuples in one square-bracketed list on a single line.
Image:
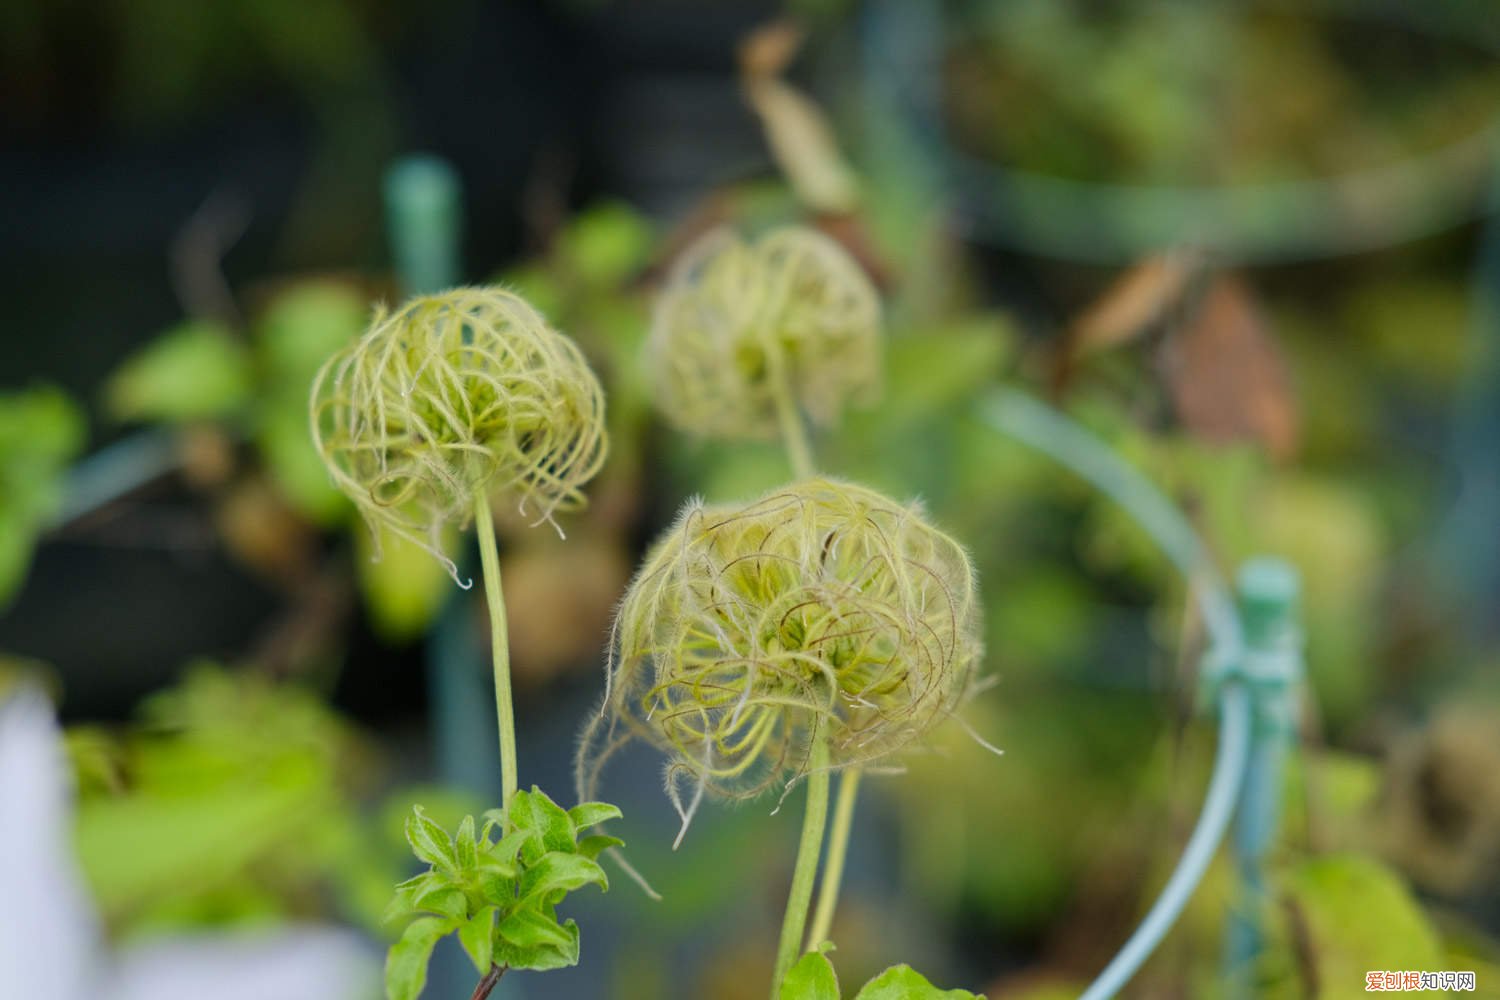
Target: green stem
[(838, 847), (806, 870), (793, 430), (499, 646)]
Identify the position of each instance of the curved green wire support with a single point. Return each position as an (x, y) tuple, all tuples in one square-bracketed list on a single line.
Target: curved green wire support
[(1048, 431)]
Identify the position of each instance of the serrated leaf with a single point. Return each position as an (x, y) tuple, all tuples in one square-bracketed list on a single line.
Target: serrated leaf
[(545, 820), (428, 841), (193, 371), (477, 935), (498, 884), (407, 893), (494, 819), (505, 849), (530, 928), (596, 844), (465, 849), (812, 978), (446, 900), (902, 982), (406, 963), (560, 871), (542, 956), (589, 814)]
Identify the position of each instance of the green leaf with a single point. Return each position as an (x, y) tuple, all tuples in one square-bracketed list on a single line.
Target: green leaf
[(428, 840), (557, 870), (607, 243), (446, 900), (497, 883), (41, 429), (494, 819), (548, 823), (194, 371), (402, 584), (505, 849), (596, 844), (406, 963), (465, 850), (589, 814), (812, 978), (532, 940), (477, 935), (902, 982), (407, 893), (529, 928), (1358, 915)]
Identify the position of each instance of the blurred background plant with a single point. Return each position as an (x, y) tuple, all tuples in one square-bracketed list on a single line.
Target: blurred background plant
[(196, 227)]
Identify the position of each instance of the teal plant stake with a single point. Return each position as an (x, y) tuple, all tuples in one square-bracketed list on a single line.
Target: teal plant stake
[(1053, 434), (1271, 669), (424, 215)]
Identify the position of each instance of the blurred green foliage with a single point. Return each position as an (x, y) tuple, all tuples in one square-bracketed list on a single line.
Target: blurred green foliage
[(232, 799), (41, 432)]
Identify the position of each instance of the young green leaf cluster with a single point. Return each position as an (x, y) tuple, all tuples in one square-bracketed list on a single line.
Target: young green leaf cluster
[(823, 611), (499, 894)]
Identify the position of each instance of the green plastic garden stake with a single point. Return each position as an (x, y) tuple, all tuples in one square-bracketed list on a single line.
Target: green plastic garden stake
[(1271, 668)]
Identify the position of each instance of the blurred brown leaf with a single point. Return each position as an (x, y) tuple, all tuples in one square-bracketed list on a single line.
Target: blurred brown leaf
[(1226, 374), (801, 141), (770, 49), (803, 145), (264, 533), (1132, 304), (559, 599)]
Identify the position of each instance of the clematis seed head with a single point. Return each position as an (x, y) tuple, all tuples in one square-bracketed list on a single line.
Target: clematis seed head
[(456, 395), (740, 322), (821, 611)]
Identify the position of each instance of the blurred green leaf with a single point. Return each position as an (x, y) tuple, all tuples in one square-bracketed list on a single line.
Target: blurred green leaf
[(607, 244), (41, 430), (403, 585), (1358, 915), (194, 371)]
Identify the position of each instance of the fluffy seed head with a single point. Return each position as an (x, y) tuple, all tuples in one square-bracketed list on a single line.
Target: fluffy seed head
[(739, 320), (823, 610), (453, 394)]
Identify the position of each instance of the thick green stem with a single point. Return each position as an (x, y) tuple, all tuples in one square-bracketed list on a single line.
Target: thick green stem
[(838, 848), (499, 646), (806, 870)]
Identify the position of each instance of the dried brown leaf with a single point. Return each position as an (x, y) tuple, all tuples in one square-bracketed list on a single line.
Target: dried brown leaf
[(803, 145), (1226, 374), (769, 50)]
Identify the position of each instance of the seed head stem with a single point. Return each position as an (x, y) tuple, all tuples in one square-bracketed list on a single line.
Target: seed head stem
[(806, 869), (499, 646), (833, 868), (793, 430)]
